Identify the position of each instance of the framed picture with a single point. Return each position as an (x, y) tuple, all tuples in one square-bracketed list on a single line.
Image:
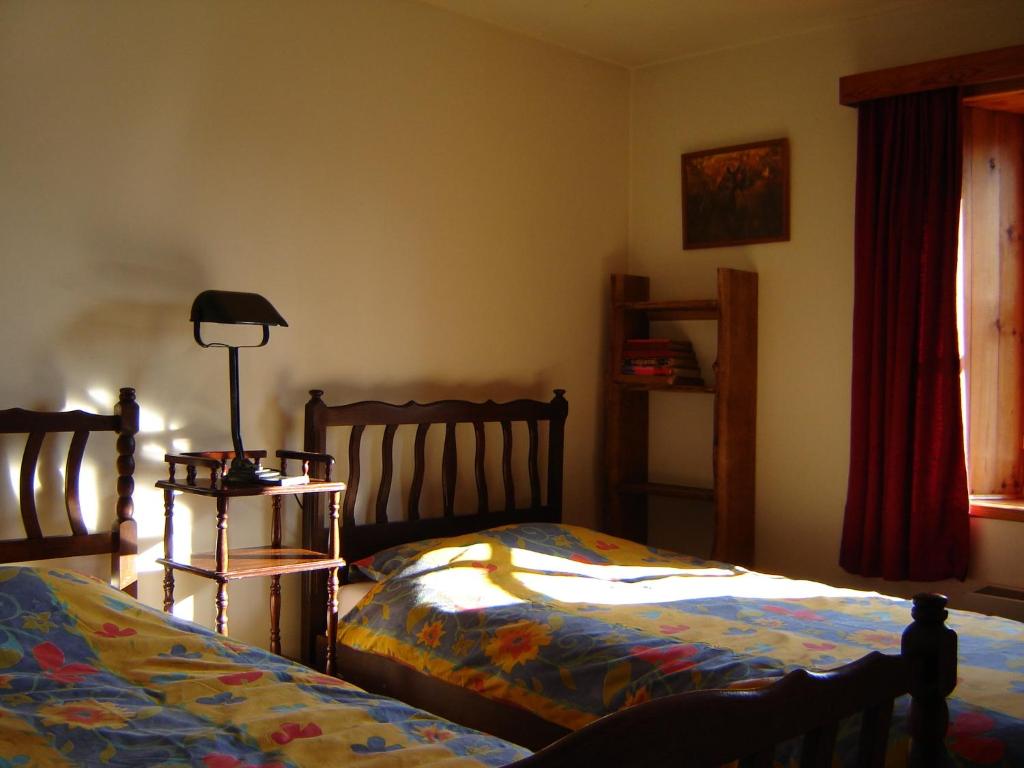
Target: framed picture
[(736, 195)]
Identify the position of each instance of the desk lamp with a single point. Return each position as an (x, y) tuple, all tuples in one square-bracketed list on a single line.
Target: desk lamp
[(234, 308)]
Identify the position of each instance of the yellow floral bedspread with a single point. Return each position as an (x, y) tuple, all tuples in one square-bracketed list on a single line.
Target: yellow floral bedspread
[(90, 677), (572, 624)]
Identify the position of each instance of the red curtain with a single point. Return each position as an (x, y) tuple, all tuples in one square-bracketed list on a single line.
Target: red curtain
[(907, 504)]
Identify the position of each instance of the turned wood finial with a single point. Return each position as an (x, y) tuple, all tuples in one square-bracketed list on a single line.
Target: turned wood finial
[(128, 409), (314, 438), (930, 647), (556, 449), (123, 565)]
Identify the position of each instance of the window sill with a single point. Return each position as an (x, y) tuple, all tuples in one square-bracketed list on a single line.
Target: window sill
[(998, 507)]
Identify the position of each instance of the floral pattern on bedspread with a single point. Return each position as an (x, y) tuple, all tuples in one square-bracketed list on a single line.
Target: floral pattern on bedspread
[(572, 624), (89, 676)]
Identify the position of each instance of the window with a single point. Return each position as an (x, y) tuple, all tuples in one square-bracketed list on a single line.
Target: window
[(991, 301)]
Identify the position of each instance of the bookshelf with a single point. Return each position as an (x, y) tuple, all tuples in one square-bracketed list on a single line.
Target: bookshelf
[(628, 487)]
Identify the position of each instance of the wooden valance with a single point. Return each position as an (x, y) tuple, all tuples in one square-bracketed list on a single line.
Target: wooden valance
[(972, 69)]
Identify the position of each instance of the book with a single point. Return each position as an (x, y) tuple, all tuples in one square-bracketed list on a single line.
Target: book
[(682, 362), (657, 348), (659, 370), (661, 359), (273, 477)]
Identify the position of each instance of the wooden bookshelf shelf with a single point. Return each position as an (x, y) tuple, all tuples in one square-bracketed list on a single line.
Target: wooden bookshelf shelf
[(669, 490), (657, 382), (700, 309), (735, 392)]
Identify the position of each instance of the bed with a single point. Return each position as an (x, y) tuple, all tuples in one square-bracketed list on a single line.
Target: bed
[(91, 676), (486, 617)]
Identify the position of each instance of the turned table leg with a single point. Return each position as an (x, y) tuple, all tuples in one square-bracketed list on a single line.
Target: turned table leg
[(222, 565), (275, 582), (334, 548), (168, 550)]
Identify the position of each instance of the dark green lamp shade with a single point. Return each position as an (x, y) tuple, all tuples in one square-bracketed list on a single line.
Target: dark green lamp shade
[(234, 308)]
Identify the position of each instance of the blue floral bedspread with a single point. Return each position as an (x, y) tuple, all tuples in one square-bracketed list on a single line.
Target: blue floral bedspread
[(91, 677), (572, 624)]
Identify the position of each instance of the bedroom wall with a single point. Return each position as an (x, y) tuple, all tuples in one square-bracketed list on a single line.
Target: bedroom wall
[(434, 206), (789, 88)]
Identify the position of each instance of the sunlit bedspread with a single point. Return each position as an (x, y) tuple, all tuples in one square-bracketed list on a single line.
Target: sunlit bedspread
[(90, 677), (572, 624)]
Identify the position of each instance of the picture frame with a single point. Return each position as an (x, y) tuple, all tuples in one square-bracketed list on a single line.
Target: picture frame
[(736, 195)]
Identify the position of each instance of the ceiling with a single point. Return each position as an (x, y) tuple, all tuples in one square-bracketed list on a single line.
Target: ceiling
[(636, 33)]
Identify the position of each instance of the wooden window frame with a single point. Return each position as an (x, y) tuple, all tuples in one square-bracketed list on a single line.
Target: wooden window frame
[(988, 72), (973, 69), (993, 303)]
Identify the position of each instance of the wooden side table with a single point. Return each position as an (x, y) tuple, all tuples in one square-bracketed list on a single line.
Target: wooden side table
[(224, 564)]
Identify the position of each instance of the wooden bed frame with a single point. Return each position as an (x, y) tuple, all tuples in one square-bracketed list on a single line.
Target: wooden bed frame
[(121, 540), (933, 671), (704, 728), (358, 541)]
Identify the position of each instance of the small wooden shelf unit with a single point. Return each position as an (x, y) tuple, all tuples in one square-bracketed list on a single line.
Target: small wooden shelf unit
[(735, 395), (273, 560)]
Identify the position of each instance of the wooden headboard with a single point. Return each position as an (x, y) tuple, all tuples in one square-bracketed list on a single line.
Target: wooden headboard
[(121, 540), (540, 502)]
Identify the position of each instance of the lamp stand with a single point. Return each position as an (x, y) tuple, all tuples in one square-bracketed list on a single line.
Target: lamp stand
[(243, 470)]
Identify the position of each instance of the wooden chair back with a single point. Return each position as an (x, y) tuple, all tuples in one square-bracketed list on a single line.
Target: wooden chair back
[(121, 541)]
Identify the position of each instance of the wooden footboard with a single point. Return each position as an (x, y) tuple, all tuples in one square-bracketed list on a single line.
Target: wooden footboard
[(706, 729)]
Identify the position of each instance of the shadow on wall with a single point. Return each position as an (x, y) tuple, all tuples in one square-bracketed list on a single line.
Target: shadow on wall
[(120, 319)]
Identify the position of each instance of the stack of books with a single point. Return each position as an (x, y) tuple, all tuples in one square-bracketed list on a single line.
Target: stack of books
[(661, 359)]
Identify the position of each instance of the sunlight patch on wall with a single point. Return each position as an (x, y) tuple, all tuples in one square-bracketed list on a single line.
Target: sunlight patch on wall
[(182, 539), (151, 421), (147, 558), (185, 608), (101, 397), (88, 493), (151, 524), (154, 451), (14, 475)]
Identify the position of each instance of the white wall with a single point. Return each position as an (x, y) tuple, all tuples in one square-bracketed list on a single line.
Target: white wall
[(433, 205), (789, 88)]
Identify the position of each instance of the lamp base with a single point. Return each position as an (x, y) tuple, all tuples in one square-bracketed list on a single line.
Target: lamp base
[(247, 472), (244, 471)]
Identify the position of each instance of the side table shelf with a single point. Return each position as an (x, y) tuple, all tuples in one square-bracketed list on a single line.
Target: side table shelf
[(273, 560)]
